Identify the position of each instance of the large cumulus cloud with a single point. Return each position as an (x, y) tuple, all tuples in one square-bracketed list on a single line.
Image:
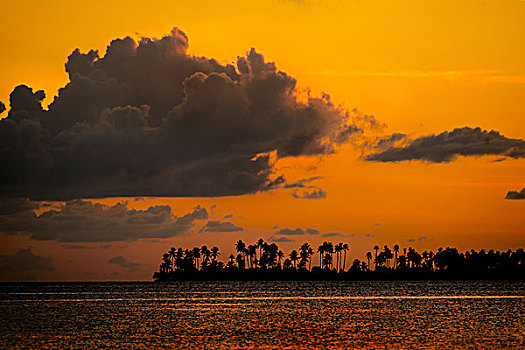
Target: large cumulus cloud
[(85, 221), (147, 119), (447, 146)]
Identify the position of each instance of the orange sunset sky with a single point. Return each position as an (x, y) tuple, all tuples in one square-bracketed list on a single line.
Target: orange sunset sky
[(419, 67)]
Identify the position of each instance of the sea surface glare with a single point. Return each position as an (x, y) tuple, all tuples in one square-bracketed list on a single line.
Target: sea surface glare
[(356, 314)]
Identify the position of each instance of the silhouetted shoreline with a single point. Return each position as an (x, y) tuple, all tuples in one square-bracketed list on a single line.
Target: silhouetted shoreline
[(262, 261)]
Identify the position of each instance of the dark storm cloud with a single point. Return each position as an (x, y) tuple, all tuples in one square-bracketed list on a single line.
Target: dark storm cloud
[(124, 263), (297, 232), (516, 194), (147, 119), (447, 146), (13, 206), (25, 260), (85, 221), (220, 226), (318, 193)]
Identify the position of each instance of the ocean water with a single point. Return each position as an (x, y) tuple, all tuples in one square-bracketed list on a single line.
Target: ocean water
[(375, 315)]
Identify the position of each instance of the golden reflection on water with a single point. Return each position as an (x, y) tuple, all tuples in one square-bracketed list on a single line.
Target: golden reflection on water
[(382, 315)]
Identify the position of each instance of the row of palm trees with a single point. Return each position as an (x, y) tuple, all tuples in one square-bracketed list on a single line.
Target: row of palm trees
[(266, 256), (448, 259)]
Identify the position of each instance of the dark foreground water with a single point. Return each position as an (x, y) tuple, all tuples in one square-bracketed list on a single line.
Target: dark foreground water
[(393, 315)]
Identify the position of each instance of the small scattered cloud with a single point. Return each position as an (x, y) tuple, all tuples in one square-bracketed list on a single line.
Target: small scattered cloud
[(369, 235), (75, 246), (337, 234), (229, 216), (25, 260), (297, 232), (142, 199), (302, 183), (82, 246), (280, 239), (124, 263), (516, 194), (418, 239), (318, 193), (220, 226)]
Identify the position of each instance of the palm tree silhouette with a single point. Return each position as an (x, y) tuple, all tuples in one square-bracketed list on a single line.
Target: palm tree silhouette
[(206, 254), (376, 248), (388, 255), (260, 244), (252, 253), (240, 261), (338, 249), (304, 255), (310, 254), (196, 252), (327, 260), (329, 249), (369, 257), (172, 253), (396, 251), (321, 250), (280, 255), (240, 246), (345, 249), (215, 253), (166, 265), (294, 257)]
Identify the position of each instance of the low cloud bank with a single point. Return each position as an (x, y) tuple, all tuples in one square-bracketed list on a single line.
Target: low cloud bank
[(85, 221)]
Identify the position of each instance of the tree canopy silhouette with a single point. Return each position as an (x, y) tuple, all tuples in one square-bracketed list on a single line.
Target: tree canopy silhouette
[(263, 260)]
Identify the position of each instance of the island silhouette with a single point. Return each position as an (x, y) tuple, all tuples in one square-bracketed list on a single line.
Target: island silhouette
[(265, 261)]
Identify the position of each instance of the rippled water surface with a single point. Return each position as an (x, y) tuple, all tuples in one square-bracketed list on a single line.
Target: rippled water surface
[(423, 314)]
